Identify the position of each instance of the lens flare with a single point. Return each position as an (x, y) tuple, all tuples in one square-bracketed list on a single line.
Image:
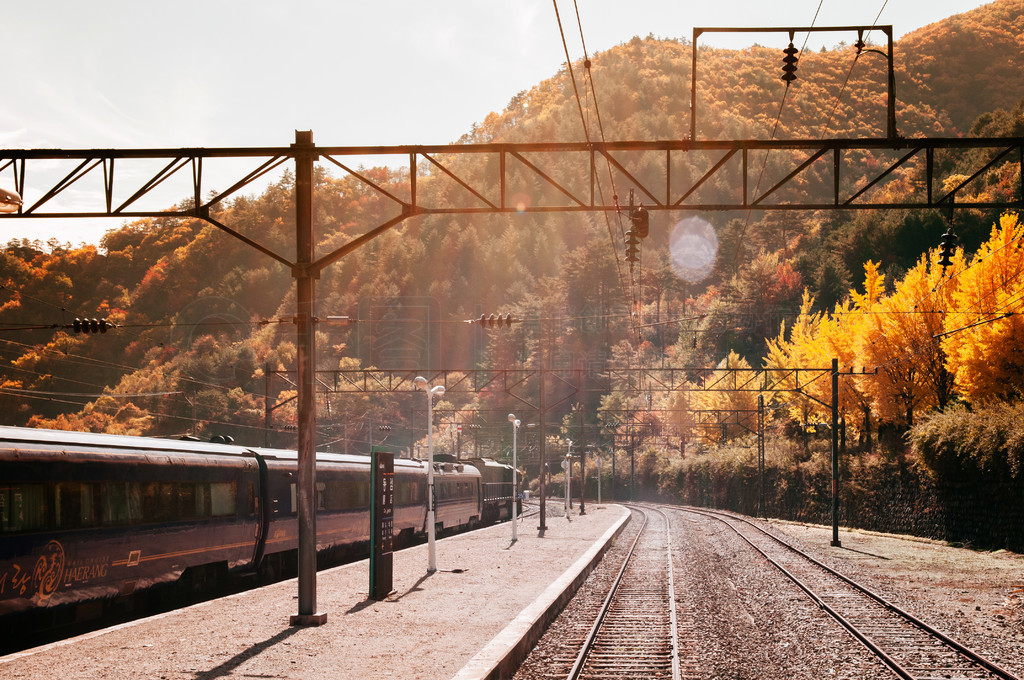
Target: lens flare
[(693, 246)]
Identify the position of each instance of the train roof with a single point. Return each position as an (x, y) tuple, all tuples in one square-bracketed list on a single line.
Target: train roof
[(27, 436), (487, 462)]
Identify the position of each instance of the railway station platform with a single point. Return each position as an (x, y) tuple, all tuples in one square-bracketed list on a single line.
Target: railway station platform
[(473, 618)]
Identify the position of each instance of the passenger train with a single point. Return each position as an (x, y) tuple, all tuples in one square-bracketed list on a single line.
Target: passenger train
[(88, 519)]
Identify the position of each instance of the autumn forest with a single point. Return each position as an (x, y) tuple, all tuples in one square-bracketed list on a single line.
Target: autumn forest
[(932, 349)]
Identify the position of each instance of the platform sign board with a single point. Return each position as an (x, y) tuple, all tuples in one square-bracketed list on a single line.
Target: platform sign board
[(382, 523)]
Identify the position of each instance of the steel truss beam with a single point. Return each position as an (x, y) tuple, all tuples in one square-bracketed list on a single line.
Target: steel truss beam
[(372, 380), (845, 174)]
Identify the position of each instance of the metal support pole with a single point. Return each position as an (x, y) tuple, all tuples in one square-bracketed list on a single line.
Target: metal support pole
[(438, 390), (305, 323), (431, 498), (568, 480), (613, 470), (760, 456), (583, 447), (541, 425), (890, 112), (583, 480), (835, 453), (632, 465), (515, 474), (266, 405)]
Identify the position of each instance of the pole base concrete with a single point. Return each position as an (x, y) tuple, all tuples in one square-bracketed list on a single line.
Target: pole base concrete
[(308, 619)]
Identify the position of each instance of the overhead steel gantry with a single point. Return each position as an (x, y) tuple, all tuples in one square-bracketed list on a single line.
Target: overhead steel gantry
[(848, 170), (845, 174)]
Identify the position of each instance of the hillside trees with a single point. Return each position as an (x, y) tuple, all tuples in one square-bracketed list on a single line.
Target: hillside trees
[(933, 337), (192, 300)]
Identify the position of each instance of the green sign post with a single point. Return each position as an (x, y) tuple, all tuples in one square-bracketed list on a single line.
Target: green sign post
[(382, 523)]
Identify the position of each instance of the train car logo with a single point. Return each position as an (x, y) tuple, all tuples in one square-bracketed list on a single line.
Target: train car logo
[(43, 579), (49, 570)]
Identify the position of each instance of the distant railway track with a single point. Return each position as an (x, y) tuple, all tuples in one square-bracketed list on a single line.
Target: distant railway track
[(911, 648)]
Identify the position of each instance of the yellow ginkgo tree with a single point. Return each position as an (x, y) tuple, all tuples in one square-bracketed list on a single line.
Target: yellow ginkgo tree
[(984, 332)]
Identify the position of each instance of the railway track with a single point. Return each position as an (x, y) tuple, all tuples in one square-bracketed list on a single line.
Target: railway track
[(621, 623), (634, 634), (912, 649)]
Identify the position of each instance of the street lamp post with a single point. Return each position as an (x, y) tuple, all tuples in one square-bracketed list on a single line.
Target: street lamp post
[(568, 478), (431, 391), (515, 474)]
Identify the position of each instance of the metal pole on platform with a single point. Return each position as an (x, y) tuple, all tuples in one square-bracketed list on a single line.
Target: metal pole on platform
[(431, 503), (305, 154), (541, 426), (515, 474)]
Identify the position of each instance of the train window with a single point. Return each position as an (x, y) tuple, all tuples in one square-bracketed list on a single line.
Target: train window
[(156, 502), (339, 496), (406, 493), (203, 499), (75, 505), (351, 495), (222, 499), (23, 507), (321, 499), (187, 501), (114, 504)]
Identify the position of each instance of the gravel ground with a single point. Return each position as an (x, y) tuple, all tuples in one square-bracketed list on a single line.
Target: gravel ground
[(973, 596), (746, 620), (740, 618)]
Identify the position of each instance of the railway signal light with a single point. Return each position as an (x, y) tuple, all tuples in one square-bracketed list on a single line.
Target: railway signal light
[(494, 320), (641, 222), (632, 247), (91, 325), (947, 248), (789, 63)]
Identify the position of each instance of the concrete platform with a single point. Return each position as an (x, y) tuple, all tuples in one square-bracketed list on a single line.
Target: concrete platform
[(474, 618)]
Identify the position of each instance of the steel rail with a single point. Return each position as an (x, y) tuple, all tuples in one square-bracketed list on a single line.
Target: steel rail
[(967, 652), (588, 643), (587, 648)]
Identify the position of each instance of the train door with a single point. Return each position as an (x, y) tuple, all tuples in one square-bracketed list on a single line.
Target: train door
[(263, 510)]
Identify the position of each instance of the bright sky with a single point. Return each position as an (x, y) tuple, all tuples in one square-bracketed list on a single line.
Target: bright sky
[(218, 73)]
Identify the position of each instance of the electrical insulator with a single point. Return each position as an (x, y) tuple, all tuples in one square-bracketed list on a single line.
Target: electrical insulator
[(632, 247), (789, 61), (641, 222), (947, 248), (494, 320), (91, 325)]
